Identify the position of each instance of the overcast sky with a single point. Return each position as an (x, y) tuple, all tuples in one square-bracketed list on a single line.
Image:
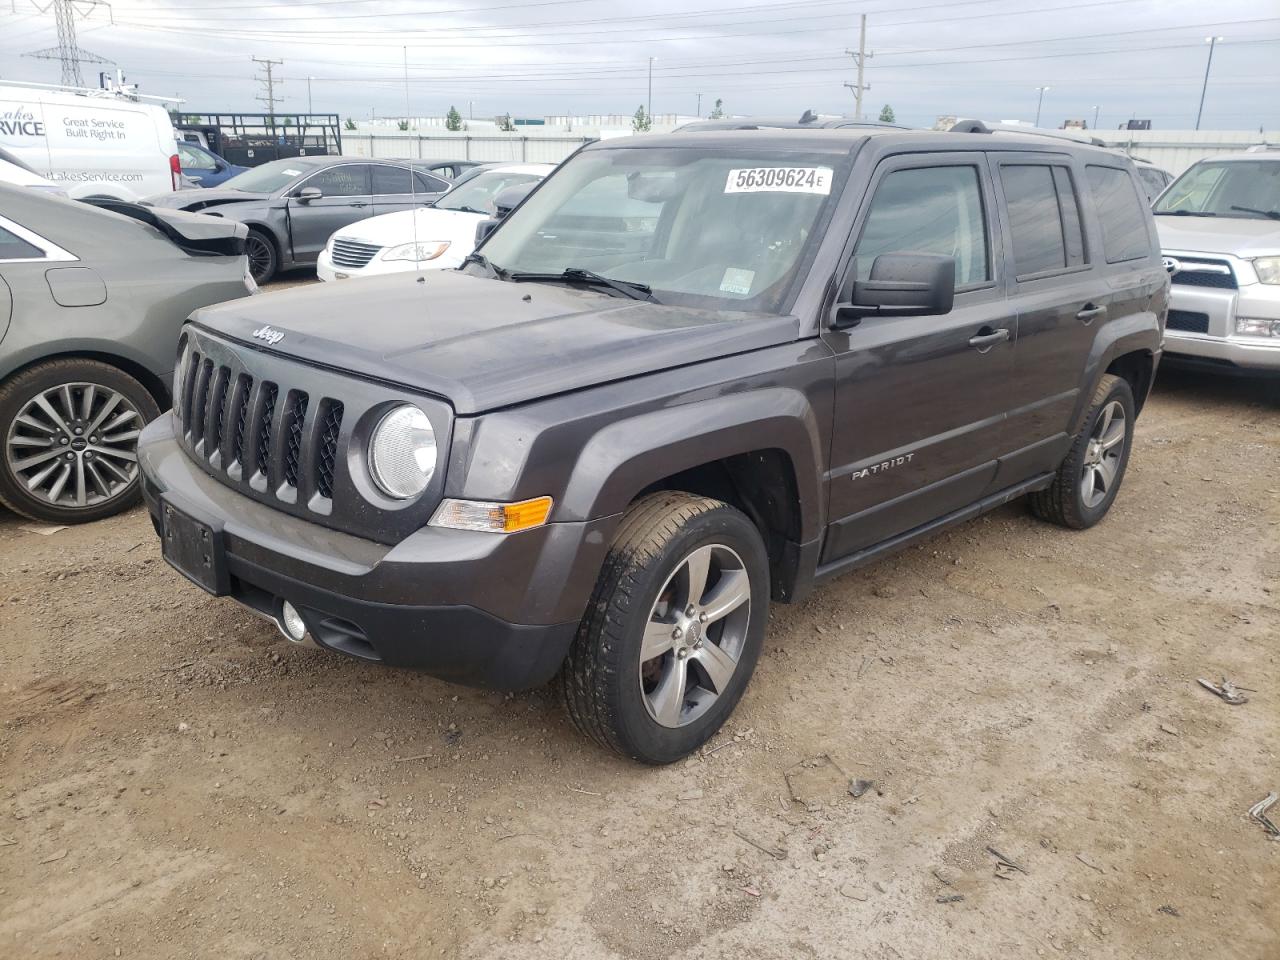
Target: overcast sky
[(977, 58)]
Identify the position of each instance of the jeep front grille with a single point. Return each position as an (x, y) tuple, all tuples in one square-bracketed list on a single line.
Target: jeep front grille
[(1205, 273), (353, 254)]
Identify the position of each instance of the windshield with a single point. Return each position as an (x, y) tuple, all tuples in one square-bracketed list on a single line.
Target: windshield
[(267, 178), (725, 231), (1247, 189), (476, 194)]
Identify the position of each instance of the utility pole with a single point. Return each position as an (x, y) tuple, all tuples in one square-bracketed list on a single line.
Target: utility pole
[(1212, 42), (1096, 108), (1040, 103), (860, 58), (68, 49), (309, 107), (649, 108), (406, 84), (699, 105), (269, 83)]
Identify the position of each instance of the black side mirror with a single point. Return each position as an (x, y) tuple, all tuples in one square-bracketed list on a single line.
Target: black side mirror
[(900, 285), (484, 228), (307, 194), (511, 197)]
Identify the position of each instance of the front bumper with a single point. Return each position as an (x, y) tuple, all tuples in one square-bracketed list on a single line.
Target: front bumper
[(1215, 345), (377, 267), (474, 608)]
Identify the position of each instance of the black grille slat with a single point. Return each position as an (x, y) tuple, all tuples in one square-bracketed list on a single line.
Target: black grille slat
[(1190, 321), (189, 388), (294, 418), (216, 410), (262, 459), (199, 399), (327, 455)]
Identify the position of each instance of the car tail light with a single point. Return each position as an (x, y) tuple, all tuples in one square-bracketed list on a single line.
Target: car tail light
[(175, 170)]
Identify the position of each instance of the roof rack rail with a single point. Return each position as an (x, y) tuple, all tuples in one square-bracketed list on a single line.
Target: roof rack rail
[(977, 126), (808, 117)]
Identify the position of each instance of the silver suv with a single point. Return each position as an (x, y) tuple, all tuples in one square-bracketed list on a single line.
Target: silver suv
[(1219, 228)]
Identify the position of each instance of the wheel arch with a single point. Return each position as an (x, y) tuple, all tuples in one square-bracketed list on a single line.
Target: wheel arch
[(1128, 347), (154, 385)]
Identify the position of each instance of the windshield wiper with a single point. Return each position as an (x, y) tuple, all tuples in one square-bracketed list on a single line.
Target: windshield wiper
[(465, 209), (1271, 214), (1185, 213), (634, 291), (483, 261)]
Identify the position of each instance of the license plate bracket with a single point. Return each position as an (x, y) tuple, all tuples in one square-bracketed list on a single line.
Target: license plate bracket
[(194, 548)]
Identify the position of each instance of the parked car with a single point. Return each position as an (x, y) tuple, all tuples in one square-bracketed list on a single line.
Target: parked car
[(437, 237), (449, 169), (291, 207), (1220, 229), (93, 143), (205, 167), (91, 303), (751, 362)]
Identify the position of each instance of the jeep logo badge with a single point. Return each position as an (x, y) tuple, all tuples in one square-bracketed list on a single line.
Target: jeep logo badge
[(271, 336), (1171, 266)]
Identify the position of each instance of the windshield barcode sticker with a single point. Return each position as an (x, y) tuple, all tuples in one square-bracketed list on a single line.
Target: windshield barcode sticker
[(779, 180)]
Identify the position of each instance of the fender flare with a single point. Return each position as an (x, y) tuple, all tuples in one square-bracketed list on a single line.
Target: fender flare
[(618, 462), (1136, 333)]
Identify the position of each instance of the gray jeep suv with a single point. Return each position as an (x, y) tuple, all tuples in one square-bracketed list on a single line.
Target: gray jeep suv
[(609, 441)]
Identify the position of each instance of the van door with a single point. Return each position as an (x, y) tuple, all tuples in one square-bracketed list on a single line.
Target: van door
[(113, 148), (1060, 303), (920, 402)]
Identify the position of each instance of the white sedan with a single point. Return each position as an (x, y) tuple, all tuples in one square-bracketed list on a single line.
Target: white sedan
[(443, 235)]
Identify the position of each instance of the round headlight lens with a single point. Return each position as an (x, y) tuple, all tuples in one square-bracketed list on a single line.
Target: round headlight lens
[(402, 452)]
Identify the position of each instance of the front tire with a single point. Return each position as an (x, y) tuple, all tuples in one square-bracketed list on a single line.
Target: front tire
[(261, 251), (1089, 478), (69, 430), (673, 629)]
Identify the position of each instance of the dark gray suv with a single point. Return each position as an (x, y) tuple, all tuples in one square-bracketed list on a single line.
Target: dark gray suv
[(600, 450)]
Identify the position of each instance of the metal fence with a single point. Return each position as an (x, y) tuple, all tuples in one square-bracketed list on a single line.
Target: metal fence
[(1175, 150), (512, 148)]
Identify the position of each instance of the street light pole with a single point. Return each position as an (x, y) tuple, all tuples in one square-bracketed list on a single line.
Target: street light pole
[(1040, 103), (1096, 108), (1212, 42), (309, 79), (649, 108)]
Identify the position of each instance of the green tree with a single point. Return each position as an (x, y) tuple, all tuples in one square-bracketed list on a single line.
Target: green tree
[(505, 124), (349, 124), (886, 114), (454, 119), (641, 122), (402, 124), (718, 112)]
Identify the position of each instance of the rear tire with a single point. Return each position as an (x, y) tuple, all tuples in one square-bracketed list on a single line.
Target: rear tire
[(50, 472), (673, 630), (1089, 478), (261, 251)]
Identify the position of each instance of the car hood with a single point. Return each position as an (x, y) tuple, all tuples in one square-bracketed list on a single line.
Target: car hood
[(482, 344), (393, 228), (202, 198), (1236, 236)]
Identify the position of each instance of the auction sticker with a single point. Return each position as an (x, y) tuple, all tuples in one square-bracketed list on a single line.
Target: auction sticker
[(779, 180)]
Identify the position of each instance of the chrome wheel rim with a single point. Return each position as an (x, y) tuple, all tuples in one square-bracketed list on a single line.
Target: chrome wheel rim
[(75, 445), (695, 636), (1103, 454), (259, 253)]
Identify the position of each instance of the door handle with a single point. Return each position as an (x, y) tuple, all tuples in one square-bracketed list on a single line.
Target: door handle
[(986, 337), (359, 203), (1090, 311)]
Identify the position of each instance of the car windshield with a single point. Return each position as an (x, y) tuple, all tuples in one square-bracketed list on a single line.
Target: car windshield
[(1246, 189), (715, 229), (476, 195), (267, 178)]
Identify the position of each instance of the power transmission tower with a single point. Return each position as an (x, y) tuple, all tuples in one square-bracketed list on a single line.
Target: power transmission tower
[(269, 83), (860, 57), (68, 50)]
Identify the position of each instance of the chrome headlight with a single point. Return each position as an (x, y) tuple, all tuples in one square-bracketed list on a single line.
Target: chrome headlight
[(1268, 269), (402, 452), (417, 252)]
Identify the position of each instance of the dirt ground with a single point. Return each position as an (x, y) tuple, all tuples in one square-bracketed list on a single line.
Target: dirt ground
[(178, 781)]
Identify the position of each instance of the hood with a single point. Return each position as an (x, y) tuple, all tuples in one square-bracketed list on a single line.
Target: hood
[(1235, 236), (432, 224), (483, 344), (200, 199)]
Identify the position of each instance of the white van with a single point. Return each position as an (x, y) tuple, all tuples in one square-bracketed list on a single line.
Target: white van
[(93, 142)]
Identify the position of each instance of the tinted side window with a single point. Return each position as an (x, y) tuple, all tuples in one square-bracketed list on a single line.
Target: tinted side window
[(193, 159), (391, 180), (1121, 212), (348, 180), (1153, 181), (13, 247), (1044, 218), (431, 184), (928, 210)]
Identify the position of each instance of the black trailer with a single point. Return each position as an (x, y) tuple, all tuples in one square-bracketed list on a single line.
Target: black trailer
[(250, 139)]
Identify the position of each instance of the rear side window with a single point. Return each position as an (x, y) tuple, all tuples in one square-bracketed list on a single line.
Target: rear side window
[(431, 184), (928, 210), (1044, 218), (1121, 212), (13, 247)]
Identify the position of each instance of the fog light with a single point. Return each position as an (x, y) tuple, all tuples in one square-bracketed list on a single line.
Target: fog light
[(292, 624), (1257, 327)]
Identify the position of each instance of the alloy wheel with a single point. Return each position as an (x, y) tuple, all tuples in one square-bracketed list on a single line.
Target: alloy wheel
[(695, 635), (75, 445), (260, 255), (1103, 454)]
